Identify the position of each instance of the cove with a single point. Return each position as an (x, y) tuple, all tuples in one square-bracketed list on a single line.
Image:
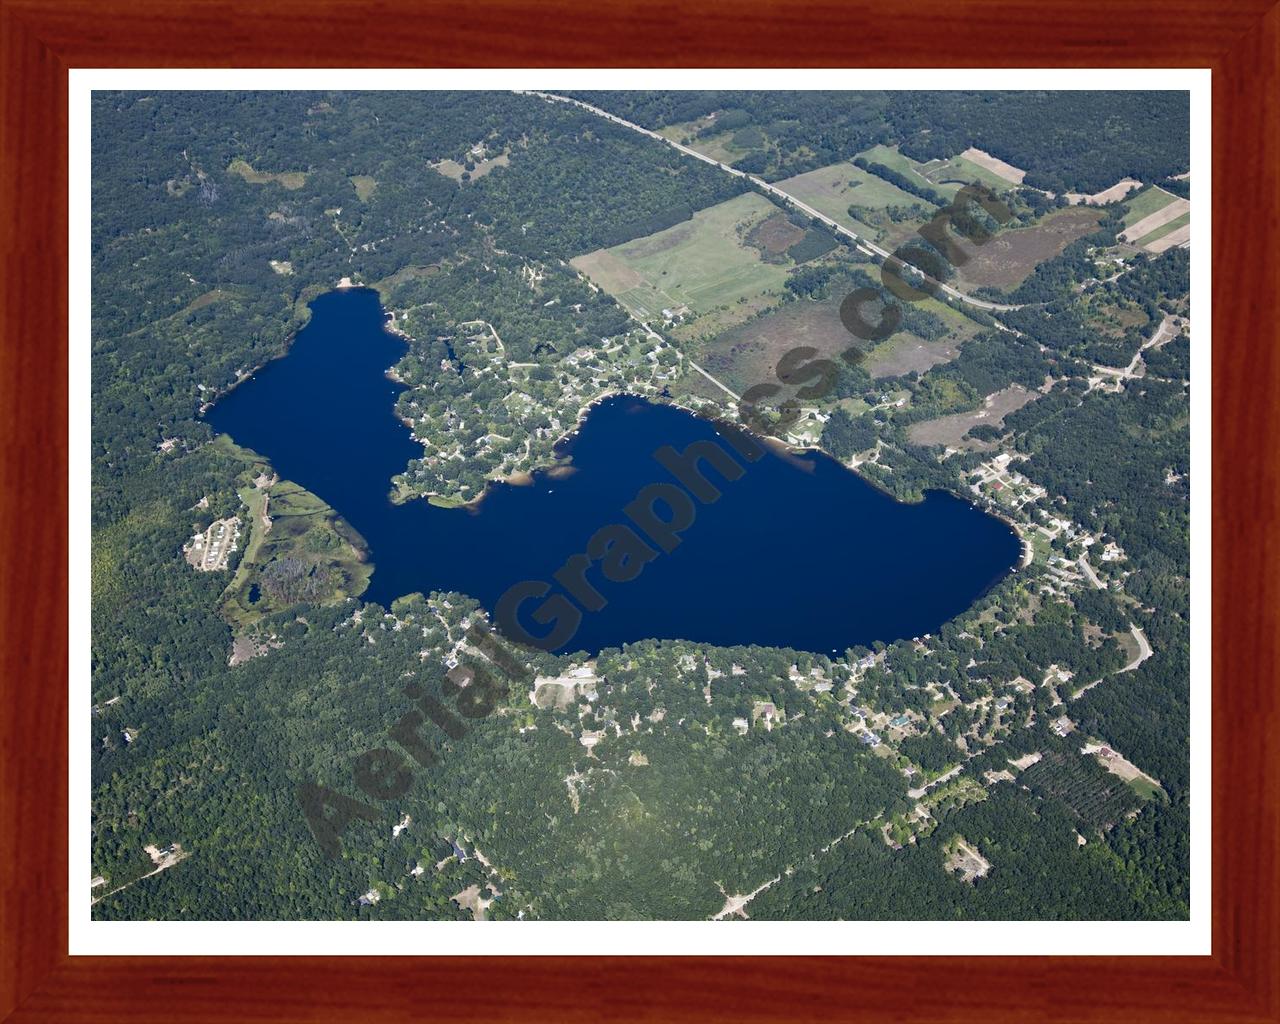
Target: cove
[(798, 552)]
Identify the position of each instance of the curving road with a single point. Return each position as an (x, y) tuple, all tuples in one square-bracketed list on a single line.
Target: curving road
[(867, 246)]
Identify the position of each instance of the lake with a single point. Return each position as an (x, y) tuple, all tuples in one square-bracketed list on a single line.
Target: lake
[(798, 551)]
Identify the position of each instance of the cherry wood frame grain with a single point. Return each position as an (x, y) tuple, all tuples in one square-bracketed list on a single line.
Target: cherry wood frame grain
[(41, 39)]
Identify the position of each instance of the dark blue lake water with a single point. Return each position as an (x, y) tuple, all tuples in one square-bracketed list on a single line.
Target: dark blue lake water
[(797, 552)]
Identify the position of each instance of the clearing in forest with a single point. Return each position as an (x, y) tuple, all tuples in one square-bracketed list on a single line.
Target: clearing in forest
[(1119, 765), (995, 165), (453, 169), (946, 177), (860, 201), (705, 263), (364, 186), (1008, 258), (1108, 195), (291, 180), (725, 146), (964, 860), (950, 430), (748, 354)]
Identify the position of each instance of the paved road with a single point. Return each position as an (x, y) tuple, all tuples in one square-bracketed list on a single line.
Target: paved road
[(1087, 569), (1169, 327), (867, 246), (1144, 649)]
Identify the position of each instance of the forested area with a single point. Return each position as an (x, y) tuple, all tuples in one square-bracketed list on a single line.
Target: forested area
[(588, 184), (1079, 141), (1038, 870), (218, 216)]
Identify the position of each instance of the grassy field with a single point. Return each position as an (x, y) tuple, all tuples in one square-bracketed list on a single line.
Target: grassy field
[(1008, 259), (945, 177), (749, 354), (289, 179), (958, 171), (718, 147), (891, 158), (1113, 318), (904, 352), (364, 186), (1145, 788), (949, 430), (453, 169), (833, 189), (1145, 203), (704, 263)]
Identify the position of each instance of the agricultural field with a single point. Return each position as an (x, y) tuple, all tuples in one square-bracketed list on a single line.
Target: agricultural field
[(995, 165), (1007, 259), (704, 265), (1108, 195), (946, 177), (1145, 203), (1175, 232), (832, 190), (1157, 221)]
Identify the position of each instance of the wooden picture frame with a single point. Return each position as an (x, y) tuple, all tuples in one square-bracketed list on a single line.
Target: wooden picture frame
[(42, 39)]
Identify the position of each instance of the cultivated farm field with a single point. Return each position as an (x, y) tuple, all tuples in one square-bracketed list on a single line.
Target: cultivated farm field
[(1145, 203)]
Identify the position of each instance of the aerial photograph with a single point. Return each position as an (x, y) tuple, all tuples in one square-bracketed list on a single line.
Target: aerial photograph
[(671, 505)]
